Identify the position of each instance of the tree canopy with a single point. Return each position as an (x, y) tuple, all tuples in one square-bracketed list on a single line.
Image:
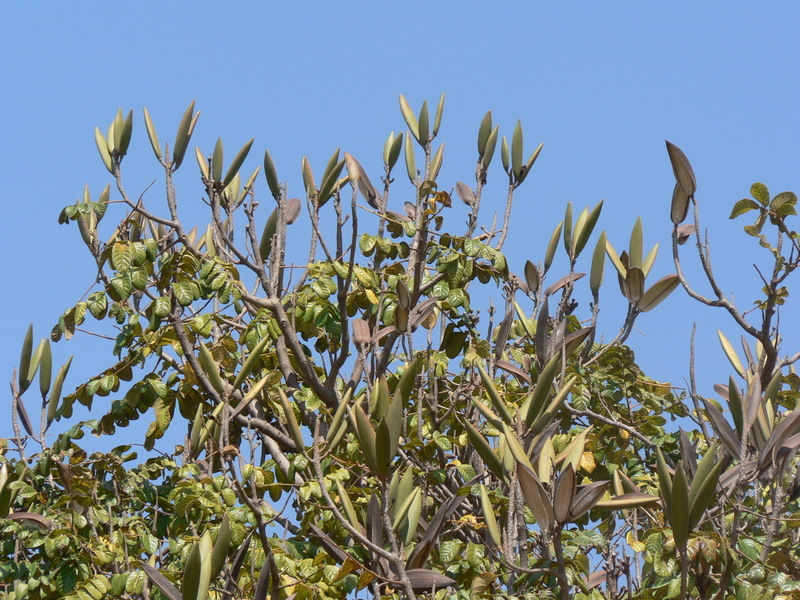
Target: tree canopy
[(400, 415)]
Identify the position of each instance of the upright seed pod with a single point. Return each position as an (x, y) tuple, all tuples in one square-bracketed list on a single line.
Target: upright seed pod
[(411, 165), (491, 144), (410, 118), (272, 175), (423, 125), (598, 265), (516, 151), (151, 134), (437, 120), (483, 133), (45, 368), (183, 135), (25, 360)]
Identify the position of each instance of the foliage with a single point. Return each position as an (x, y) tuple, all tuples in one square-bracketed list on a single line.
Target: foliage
[(347, 427)]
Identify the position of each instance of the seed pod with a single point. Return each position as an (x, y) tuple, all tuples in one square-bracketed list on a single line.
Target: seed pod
[(422, 125), (272, 175), (183, 135), (55, 393), (598, 264), (236, 163), (437, 121), (436, 163), (411, 166), (516, 150), (391, 150), (682, 169), (151, 134), (102, 148), (484, 131), (410, 118), (25, 360), (551, 247), (45, 368), (491, 143)]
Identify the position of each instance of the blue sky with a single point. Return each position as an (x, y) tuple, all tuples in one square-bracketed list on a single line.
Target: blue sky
[(602, 84)]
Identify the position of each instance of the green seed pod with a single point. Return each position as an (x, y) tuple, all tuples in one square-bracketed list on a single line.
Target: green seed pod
[(423, 125), (272, 175), (516, 151), (491, 144), (25, 360), (411, 165), (409, 117), (102, 148), (483, 133), (437, 121), (125, 137), (151, 134), (505, 155), (216, 161), (183, 135), (45, 368), (55, 393), (236, 163)]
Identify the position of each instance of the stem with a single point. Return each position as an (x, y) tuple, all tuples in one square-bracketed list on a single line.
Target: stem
[(562, 567)]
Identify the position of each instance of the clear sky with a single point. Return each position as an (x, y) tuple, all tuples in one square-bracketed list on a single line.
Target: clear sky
[(601, 83)]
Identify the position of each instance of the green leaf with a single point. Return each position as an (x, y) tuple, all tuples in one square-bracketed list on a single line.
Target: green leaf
[(183, 292), (97, 304), (742, 206), (122, 286), (760, 192)]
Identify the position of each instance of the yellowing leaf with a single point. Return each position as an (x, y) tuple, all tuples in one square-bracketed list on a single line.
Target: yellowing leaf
[(635, 544), (587, 462)]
